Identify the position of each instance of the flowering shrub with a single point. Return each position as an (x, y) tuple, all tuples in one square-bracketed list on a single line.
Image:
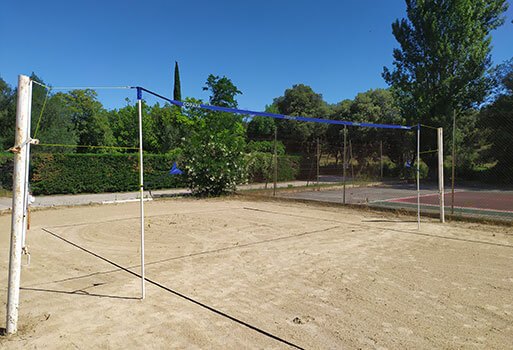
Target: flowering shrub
[(214, 156)]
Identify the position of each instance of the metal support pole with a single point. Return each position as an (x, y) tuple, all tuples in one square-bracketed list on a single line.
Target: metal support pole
[(381, 159), (275, 173), (418, 177), (20, 158), (351, 160), (141, 190), (27, 167), (441, 173), (453, 159), (318, 161), (345, 161)]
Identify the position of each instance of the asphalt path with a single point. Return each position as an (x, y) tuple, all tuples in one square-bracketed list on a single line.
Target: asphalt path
[(120, 197)]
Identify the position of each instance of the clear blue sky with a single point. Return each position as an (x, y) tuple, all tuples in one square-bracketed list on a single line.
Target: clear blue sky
[(337, 47)]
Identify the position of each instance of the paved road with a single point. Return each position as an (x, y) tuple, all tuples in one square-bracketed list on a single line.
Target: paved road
[(365, 194), (106, 198)]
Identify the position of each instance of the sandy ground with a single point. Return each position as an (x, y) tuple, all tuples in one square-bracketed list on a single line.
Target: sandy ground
[(236, 273)]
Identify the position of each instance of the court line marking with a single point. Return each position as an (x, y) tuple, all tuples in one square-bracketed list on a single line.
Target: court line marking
[(445, 206)]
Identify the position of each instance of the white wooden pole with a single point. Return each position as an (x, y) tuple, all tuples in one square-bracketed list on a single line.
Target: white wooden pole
[(418, 177), (441, 173), (20, 158), (141, 191)]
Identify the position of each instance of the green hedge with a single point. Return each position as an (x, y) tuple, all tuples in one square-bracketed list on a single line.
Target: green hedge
[(261, 167), (91, 173), (6, 169), (74, 173), (96, 173)]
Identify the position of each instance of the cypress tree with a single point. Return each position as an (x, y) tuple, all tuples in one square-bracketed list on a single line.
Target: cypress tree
[(177, 95)]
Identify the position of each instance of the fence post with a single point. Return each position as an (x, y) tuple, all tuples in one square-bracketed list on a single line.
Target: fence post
[(418, 177), (275, 175), (453, 159), (318, 161), (344, 165), (17, 221), (441, 173), (381, 158)]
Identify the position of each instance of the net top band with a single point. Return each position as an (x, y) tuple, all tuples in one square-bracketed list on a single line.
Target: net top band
[(270, 115)]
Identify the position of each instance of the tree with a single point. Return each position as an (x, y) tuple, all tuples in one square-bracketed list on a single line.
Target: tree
[(170, 127), (374, 106), (124, 124), (214, 151), (90, 120), (496, 119), (51, 120), (301, 101), (262, 128), (7, 115), (177, 94), (55, 126), (222, 91), (444, 54)]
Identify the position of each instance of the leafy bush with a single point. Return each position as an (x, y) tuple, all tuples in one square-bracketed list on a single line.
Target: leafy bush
[(214, 162), (96, 173), (288, 167), (265, 146), (411, 172), (261, 167), (6, 169)]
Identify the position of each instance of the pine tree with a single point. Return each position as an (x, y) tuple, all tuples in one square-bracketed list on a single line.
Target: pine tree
[(177, 95)]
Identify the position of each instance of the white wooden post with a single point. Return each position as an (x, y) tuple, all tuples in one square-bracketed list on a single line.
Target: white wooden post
[(20, 159), (441, 173)]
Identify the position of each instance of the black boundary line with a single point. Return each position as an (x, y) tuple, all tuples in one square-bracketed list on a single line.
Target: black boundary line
[(134, 217), (78, 292), (387, 229), (191, 255), (245, 324)]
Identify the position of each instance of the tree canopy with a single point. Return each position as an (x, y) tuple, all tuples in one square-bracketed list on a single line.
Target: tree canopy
[(443, 58)]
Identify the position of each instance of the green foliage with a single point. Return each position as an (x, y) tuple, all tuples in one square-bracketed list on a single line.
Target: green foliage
[(96, 173), (260, 128), (496, 123), (214, 148), (7, 115), (222, 91), (265, 146), (261, 167), (374, 106), (410, 173), (443, 59), (215, 161), (6, 169), (90, 120), (302, 101), (444, 55)]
